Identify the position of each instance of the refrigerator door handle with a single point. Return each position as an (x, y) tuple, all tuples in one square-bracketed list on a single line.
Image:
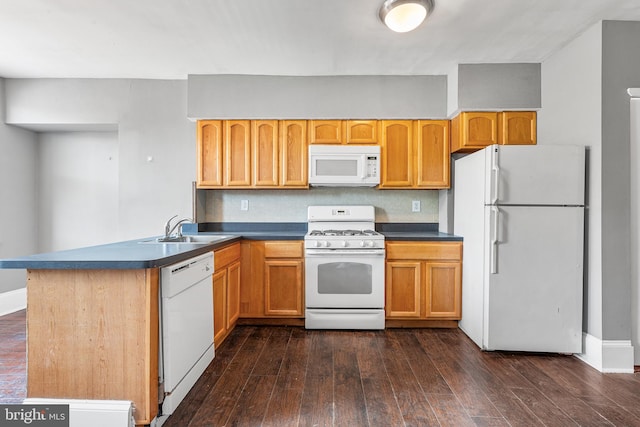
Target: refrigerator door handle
[(495, 176), (493, 254)]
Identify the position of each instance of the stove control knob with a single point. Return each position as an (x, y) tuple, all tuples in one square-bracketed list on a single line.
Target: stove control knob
[(369, 243), (362, 243), (326, 244), (344, 243)]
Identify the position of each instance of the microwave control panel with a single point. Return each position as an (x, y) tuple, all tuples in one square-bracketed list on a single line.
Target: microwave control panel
[(372, 166)]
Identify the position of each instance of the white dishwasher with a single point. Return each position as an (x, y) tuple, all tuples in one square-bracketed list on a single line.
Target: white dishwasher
[(186, 327)]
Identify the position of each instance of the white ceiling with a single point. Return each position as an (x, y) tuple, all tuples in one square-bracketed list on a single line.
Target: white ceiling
[(169, 39)]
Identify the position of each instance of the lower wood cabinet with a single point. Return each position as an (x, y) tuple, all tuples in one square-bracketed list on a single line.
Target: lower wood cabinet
[(424, 280), (272, 279), (226, 291), (93, 334)]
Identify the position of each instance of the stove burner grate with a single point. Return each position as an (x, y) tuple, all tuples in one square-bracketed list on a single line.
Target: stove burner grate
[(343, 233)]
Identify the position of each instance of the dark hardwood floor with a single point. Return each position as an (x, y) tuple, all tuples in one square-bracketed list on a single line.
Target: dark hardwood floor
[(13, 357), (288, 376)]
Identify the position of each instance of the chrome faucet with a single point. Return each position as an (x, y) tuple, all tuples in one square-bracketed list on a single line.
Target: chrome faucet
[(168, 230)]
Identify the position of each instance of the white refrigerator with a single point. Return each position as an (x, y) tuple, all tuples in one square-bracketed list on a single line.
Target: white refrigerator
[(520, 211)]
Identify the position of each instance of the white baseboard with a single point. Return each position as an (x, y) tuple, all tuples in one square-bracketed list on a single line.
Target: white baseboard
[(13, 301), (609, 356)]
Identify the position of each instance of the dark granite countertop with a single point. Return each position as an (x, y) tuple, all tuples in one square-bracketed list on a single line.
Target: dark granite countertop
[(415, 232), (421, 236), (133, 254)]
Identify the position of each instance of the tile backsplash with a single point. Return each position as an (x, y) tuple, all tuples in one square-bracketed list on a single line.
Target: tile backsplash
[(291, 205)]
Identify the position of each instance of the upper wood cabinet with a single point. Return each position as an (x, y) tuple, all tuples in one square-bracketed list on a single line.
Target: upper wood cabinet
[(433, 157), (343, 132), (415, 154), (361, 132), (294, 153), (210, 153), (326, 131), (264, 150), (397, 153), (517, 128), (237, 148), (471, 131), (274, 153), (252, 154)]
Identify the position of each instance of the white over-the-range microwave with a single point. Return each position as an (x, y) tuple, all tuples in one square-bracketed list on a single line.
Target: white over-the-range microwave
[(344, 165)]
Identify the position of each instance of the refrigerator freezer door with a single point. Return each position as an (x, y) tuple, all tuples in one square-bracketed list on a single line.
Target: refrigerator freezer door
[(533, 301), (535, 175)]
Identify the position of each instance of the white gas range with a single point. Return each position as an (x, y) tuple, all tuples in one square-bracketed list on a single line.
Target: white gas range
[(344, 269)]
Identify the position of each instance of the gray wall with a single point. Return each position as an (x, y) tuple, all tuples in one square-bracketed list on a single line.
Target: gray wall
[(468, 87), (620, 71), (499, 87), (571, 114), (66, 104), (78, 187), (18, 196), (317, 97), (585, 101), (156, 141)]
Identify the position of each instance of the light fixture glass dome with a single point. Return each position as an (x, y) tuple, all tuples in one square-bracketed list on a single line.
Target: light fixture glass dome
[(402, 16)]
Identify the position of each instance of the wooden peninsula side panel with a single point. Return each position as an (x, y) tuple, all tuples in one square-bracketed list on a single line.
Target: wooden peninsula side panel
[(93, 334)]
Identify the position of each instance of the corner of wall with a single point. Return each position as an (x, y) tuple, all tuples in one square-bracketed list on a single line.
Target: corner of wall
[(608, 356), (452, 91)]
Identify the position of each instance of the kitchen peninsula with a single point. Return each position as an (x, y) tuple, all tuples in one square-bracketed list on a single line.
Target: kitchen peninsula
[(92, 313), (92, 320)]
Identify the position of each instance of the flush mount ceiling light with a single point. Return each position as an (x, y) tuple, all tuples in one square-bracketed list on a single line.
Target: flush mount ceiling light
[(405, 15)]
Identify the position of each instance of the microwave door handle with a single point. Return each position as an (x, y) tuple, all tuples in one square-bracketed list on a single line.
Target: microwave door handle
[(363, 169)]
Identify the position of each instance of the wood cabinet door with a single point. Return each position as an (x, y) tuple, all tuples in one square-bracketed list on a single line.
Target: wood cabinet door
[(210, 153), (265, 150), (403, 289), (233, 293), (219, 306), (517, 128), (361, 132), (326, 132), (294, 153), (443, 289), (252, 273), (474, 130), (397, 153), (237, 146), (283, 287), (433, 154)]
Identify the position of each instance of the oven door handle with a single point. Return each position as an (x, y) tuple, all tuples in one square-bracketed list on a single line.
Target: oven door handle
[(353, 252)]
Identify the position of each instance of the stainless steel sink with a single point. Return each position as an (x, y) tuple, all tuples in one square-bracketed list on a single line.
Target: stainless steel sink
[(192, 239)]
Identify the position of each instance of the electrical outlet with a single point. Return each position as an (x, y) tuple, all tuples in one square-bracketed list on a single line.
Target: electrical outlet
[(415, 206), (244, 205)]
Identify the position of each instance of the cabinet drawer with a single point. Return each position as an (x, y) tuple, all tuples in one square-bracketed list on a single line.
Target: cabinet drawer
[(283, 249), (225, 256), (424, 250)]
